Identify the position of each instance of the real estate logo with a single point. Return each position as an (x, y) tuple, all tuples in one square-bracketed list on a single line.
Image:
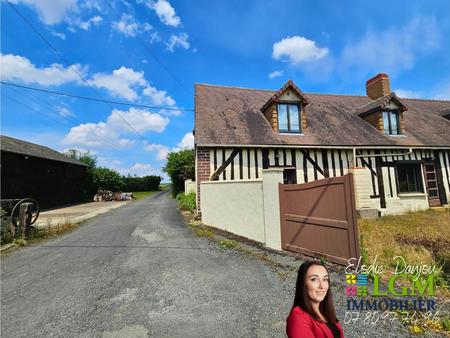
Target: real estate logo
[(408, 289)]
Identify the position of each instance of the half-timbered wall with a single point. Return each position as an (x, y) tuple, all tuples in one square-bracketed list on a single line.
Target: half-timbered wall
[(310, 164), (315, 164)]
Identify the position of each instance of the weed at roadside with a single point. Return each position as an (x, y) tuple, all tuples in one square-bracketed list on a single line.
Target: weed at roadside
[(227, 244)]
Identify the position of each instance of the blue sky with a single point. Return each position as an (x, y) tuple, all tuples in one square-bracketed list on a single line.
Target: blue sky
[(152, 52)]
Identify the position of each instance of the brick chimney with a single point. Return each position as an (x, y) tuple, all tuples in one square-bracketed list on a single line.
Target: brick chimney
[(378, 86)]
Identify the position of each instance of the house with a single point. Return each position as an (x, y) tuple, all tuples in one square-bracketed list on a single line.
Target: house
[(289, 169), (30, 170), (400, 146)]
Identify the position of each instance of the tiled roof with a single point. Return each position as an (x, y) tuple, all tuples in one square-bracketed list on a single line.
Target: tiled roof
[(232, 116), (381, 103), (17, 146)]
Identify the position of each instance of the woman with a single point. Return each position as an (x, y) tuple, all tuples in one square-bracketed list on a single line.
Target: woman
[(313, 314)]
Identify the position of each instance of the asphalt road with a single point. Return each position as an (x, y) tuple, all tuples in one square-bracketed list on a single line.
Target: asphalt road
[(138, 271)]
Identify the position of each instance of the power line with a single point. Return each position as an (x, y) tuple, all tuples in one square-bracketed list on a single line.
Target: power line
[(70, 66), (93, 99), (151, 52), (55, 118)]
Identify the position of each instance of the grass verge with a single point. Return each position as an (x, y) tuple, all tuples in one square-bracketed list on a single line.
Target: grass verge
[(421, 237), (139, 195), (42, 234)]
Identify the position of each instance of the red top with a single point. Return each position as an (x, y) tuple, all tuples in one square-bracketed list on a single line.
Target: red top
[(301, 325)]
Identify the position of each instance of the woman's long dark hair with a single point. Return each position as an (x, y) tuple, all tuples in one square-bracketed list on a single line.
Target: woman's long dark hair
[(302, 300)]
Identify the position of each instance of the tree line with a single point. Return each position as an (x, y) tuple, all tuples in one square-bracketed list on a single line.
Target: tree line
[(101, 178)]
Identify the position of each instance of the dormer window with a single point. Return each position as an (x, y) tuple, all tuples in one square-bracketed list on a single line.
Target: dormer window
[(285, 110), (288, 118), (391, 123)]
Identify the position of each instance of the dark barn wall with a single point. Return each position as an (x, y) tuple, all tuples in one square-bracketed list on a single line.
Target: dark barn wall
[(51, 183)]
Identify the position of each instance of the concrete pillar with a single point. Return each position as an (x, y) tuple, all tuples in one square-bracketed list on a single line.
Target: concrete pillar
[(362, 188), (271, 200), (361, 179)]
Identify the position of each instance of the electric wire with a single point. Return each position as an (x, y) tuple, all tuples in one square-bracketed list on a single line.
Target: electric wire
[(150, 52), (56, 118), (92, 98), (70, 66)]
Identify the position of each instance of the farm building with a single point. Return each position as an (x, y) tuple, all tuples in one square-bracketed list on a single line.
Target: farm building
[(30, 170)]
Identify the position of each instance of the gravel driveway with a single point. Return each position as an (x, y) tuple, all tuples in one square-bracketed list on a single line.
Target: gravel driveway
[(138, 271)]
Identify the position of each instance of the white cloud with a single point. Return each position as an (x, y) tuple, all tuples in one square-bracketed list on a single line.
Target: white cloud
[(276, 73), (392, 50), (405, 93), (297, 49), (127, 25), (142, 169), (154, 37), (92, 4), (180, 40), (165, 12), (121, 83), (139, 169), (141, 120), (94, 135), (161, 150), (86, 25), (147, 27), (158, 97), (187, 142), (51, 12), (64, 112), (62, 36), (114, 132), (19, 68)]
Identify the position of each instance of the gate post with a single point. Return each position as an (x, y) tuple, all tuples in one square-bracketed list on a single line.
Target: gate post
[(24, 219), (361, 180), (271, 201)]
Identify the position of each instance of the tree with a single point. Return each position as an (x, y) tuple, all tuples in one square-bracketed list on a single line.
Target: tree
[(107, 179), (85, 157), (180, 166), (91, 160)]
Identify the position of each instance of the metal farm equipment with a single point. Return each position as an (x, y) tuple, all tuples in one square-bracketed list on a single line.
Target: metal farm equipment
[(20, 215)]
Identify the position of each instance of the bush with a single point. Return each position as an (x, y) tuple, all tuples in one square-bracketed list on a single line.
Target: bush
[(6, 235), (180, 166), (107, 179), (187, 202), (146, 183)]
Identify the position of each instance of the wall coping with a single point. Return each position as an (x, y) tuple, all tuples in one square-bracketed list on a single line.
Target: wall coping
[(234, 181)]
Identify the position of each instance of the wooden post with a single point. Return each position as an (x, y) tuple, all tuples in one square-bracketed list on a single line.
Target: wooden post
[(24, 219)]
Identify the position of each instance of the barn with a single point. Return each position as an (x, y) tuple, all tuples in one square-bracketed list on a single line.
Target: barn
[(29, 170)]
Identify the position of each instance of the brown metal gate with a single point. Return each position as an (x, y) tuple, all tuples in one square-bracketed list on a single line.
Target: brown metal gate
[(319, 218)]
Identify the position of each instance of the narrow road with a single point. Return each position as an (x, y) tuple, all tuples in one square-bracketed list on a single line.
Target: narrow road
[(138, 271)]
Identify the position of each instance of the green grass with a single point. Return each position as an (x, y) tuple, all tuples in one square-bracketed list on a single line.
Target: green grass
[(421, 237), (139, 195), (187, 202), (164, 186)]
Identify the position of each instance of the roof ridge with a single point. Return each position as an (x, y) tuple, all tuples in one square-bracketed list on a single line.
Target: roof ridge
[(314, 93), (418, 99), (236, 87)]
